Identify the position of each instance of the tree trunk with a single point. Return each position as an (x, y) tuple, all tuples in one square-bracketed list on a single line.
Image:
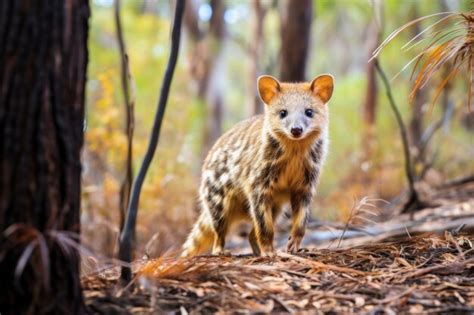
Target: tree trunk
[(371, 91), (295, 37), (150, 7), (416, 120), (43, 59), (213, 94), (206, 66), (373, 39), (258, 16), (369, 164)]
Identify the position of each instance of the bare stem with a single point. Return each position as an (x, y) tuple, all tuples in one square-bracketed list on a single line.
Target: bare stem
[(403, 131), (126, 244), (129, 102)]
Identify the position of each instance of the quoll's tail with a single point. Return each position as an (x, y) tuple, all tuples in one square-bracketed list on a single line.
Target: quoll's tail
[(201, 237)]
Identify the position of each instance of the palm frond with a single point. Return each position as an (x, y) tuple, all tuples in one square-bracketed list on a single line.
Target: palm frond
[(448, 42), (24, 259), (444, 19), (402, 28)]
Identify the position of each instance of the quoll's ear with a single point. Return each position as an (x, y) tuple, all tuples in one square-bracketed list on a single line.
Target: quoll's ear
[(322, 86), (268, 88)]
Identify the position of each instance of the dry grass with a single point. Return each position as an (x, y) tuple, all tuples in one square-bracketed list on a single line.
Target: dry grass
[(427, 273)]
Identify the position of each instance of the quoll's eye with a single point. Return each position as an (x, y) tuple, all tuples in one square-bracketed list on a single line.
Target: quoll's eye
[(283, 113), (309, 112)]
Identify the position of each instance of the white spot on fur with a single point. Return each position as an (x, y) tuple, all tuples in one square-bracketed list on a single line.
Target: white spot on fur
[(224, 178)]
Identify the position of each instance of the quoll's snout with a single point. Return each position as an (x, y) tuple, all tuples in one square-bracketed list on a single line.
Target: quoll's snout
[(296, 131)]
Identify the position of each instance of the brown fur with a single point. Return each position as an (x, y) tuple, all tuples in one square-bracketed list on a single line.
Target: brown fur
[(259, 165)]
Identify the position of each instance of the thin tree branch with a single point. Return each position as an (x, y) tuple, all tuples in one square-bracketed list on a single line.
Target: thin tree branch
[(403, 131), (413, 201), (434, 127), (126, 244), (129, 99)]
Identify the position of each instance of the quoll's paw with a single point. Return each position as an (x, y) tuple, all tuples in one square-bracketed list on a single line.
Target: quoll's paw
[(293, 245), (269, 254), (226, 253), (268, 251)]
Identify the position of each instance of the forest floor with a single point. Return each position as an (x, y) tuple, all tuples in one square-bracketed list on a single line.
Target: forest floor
[(387, 273), (423, 274)]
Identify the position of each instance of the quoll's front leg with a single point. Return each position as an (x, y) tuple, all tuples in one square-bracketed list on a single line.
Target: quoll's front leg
[(254, 243), (262, 218), (300, 203)]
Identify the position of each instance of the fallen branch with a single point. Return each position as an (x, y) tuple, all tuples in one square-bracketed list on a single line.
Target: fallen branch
[(449, 217), (452, 268), (458, 181), (321, 266)]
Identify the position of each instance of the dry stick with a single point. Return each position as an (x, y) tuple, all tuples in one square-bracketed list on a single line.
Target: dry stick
[(126, 80), (125, 251), (349, 219), (458, 181), (413, 198), (451, 268)]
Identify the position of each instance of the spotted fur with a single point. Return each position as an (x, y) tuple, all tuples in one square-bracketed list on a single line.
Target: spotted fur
[(259, 165)]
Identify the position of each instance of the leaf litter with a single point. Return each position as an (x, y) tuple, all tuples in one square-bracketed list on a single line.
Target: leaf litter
[(426, 273)]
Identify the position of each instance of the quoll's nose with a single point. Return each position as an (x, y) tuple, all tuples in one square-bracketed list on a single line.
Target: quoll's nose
[(296, 131)]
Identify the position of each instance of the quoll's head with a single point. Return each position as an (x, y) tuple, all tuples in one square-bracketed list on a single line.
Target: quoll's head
[(296, 110)]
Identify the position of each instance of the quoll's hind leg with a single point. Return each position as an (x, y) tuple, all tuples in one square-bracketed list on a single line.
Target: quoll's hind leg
[(212, 194), (300, 203), (219, 239), (220, 224), (254, 243)]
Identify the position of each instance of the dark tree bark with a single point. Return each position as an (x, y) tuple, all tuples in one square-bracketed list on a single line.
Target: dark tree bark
[(43, 59), (296, 21)]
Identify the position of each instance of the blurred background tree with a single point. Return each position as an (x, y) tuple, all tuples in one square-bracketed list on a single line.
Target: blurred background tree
[(227, 44)]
